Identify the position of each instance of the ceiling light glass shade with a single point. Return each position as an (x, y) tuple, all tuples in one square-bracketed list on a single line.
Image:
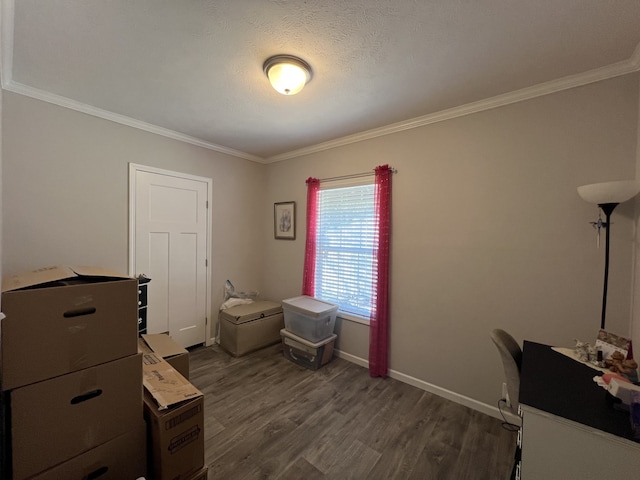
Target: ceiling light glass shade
[(287, 74), (609, 192)]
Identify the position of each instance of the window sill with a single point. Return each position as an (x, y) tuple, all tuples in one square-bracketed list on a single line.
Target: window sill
[(353, 318)]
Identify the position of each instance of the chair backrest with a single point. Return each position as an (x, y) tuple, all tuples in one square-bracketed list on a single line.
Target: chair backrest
[(511, 355)]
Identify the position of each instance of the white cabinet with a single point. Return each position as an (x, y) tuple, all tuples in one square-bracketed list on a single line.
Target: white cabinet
[(570, 428), (556, 448)]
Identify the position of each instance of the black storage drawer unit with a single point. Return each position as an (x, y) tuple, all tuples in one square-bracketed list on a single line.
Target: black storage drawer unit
[(143, 298)]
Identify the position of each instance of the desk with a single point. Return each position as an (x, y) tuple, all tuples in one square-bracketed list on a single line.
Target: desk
[(568, 429)]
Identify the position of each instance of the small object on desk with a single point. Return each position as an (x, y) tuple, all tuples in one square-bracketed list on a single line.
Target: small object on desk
[(599, 358), (610, 343), (582, 350), (592, 353), (573, 355), (630, 369), (623, 390), (607, 377), (587, 353), (613, 361), (625, 367)]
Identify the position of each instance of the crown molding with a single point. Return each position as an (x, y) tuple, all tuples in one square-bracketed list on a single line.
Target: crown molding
[(610, 71), (124, 120), (7, 13), (565, 83), (6, 77)]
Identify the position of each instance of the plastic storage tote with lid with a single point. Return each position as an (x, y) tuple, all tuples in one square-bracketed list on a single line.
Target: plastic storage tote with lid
[(309, 318), (303, 352)]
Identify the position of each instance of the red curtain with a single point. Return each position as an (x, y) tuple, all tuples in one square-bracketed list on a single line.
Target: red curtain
[(379, 320), (309, 275)]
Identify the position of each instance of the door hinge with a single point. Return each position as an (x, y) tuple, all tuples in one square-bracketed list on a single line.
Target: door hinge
[(206, 203), (206, 320), (206, 262)]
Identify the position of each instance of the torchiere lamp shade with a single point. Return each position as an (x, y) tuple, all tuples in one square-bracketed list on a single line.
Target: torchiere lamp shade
[(609, 192)]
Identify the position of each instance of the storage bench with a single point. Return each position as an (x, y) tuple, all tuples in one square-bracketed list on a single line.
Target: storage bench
[(249, 327)]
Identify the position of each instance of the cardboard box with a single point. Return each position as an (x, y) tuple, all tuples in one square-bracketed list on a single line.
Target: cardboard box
[(60, 320), (164, 383), (176, 439), (58, 419), (124, 457), (201, 475), (5, 435), (249, 327), (163, 345)]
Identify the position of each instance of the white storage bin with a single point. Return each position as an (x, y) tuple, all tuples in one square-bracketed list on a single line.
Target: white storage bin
[(309, 318)]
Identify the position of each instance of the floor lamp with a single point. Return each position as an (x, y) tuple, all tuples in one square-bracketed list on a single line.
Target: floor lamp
[(608, 196)]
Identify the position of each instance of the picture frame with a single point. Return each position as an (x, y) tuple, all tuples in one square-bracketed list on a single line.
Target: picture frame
[(284, 220)]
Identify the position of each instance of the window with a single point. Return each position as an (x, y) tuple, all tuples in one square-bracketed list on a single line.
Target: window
[(346, 255), (344, 247)]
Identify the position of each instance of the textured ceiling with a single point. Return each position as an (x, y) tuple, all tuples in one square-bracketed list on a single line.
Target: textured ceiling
[(195, 67)]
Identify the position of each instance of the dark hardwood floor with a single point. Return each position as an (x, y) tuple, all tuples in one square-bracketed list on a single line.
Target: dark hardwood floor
[(268, 418)]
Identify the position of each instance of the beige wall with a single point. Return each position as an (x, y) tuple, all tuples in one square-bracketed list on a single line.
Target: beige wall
[(488, 231), (65, 193), (635, 327), (1, 109)]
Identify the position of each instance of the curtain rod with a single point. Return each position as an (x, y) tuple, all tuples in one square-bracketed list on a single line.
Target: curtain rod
[(353, 175)]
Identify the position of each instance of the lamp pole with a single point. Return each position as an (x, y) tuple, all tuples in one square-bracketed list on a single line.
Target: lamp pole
[(608, 195), (607, 208)]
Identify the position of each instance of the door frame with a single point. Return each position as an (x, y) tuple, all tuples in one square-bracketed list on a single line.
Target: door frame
[(134, 168)]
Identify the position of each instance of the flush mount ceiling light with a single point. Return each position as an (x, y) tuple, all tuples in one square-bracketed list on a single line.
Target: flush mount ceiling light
[(287, 74)]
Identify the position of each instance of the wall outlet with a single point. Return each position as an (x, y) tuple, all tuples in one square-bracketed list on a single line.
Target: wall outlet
[(505, 395)]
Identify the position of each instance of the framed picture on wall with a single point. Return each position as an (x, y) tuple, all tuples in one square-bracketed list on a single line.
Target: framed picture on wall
[(284, 220)]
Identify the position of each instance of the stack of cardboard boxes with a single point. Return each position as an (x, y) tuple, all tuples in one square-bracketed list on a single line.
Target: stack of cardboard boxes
[(71, 384), (174, 411), (71, 376)]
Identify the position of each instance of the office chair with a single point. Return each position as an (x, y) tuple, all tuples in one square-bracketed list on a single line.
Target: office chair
[(511, 355)]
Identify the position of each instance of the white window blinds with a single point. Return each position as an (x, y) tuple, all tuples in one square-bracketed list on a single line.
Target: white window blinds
[(344, 255)]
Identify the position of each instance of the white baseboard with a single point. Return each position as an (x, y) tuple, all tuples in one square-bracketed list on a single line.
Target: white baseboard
[(351, 358), (441, 392)]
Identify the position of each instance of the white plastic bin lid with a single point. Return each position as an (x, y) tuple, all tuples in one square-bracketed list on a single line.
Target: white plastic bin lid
[(286, 333), (309, 306)]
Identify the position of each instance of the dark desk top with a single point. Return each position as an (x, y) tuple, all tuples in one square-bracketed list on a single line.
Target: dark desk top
[(557, 384)]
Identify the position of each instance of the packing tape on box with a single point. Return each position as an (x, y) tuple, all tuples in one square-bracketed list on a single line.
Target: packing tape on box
[(88, 386), (78, 347)]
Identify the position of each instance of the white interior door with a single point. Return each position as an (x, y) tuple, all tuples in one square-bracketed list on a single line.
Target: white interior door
[(170, 245)]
